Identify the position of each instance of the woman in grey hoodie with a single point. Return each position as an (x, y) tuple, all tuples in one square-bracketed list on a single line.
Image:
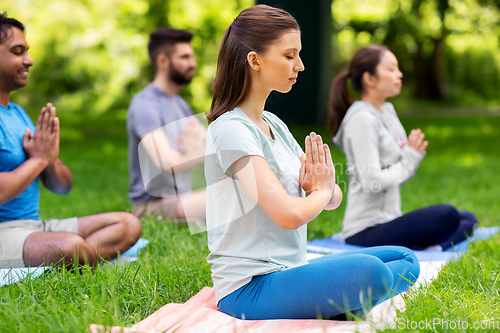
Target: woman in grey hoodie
[(380, 158)]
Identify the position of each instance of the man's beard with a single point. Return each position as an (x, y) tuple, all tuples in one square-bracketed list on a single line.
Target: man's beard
[(178, 77)]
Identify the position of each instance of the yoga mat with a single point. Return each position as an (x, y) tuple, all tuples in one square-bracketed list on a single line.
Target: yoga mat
[(330, 245), (136, 248), (200, 314), (12, 275), (131, 254)]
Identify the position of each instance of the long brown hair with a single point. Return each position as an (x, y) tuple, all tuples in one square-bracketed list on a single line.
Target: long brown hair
[(255, 29), (364, 60)]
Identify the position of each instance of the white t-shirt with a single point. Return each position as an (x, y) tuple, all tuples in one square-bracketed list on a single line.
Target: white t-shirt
[(242, 239)]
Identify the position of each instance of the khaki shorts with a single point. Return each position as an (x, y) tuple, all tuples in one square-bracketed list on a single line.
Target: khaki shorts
[(165, 207), (13, 234)]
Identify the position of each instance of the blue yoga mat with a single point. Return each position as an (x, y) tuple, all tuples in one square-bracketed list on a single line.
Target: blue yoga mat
[(131, 254), (136, 248), (329, 245), (12, 275)]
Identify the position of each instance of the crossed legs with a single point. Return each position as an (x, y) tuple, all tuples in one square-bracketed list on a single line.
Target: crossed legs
[(100, 236), (185, 207), (328, 286), (438, 224)]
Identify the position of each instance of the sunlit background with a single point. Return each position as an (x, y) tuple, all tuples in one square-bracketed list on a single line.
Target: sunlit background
[(90, 55)]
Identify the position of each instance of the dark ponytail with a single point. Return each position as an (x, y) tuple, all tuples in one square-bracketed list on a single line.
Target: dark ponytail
[(364, 60), (340, 100), (255, 29)]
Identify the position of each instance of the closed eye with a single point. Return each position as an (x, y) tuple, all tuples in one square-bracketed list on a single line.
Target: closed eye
[(17, 50)]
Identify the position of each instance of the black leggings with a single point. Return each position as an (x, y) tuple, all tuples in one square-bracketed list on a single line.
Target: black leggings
[(434, 225)]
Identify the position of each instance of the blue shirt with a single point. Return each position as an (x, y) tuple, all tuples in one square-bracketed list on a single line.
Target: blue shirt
[(13, 123)]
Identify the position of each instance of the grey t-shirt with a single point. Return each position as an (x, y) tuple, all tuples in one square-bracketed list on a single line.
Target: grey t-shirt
[(150, 110), (243, 240), (379, 161)]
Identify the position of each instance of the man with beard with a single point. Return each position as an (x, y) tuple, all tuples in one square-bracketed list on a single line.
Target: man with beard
[(164, 136), (29, 153)]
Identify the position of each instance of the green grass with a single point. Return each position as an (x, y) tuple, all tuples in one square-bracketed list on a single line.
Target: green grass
[(461, 167), (171, 269), (466, 292)]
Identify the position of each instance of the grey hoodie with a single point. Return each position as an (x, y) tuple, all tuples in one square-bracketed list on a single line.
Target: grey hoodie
[(378, 162)]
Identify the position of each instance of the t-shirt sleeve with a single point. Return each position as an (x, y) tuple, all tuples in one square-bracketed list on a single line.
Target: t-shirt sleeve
[(144, 116), (234, 140)]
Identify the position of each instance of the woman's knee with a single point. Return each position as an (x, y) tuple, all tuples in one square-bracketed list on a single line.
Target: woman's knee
[(468, 219), (403, 265), (449, 213), (412, 270), (378, 279)]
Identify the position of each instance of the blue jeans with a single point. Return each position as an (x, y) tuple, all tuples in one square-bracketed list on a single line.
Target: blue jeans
[(438, 224), (353, 281)]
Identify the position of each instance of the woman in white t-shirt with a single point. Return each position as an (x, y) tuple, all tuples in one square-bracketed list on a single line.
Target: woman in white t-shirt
[(257, 174)]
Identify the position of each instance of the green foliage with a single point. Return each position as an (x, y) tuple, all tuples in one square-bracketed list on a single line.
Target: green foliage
[(476, 82), (91, 56), (446, 49)]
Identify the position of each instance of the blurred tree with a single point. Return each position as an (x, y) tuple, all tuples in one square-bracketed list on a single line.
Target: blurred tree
[(425, 23), (158, 13), (91, 55), (447, 49)]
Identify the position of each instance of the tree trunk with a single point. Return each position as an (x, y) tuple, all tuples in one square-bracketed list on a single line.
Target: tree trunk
[(437, 80), (421, 71)]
